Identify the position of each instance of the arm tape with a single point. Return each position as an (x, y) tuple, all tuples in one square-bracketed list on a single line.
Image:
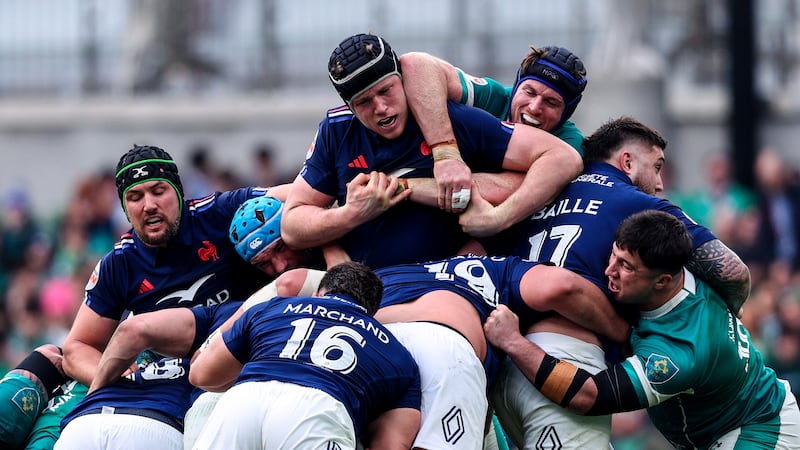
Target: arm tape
[(615, 392), (38, 364), (559, 380)]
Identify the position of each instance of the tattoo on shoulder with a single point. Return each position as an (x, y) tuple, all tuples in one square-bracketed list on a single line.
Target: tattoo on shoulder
[(720, 267)]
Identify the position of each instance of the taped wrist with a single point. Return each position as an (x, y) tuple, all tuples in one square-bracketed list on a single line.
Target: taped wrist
[(446, 150), (402, 185), (615, 392), (49, 375), (559, 380)]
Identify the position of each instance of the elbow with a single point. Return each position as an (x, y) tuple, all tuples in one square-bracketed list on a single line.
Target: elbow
[(288, 234), (199, 377), (560, 285), (290, 283), (409, 62), (573, 163), (582, 403), (68, 363)]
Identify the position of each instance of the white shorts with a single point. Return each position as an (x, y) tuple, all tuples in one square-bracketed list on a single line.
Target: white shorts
[(277, 415), (197, 416), (533, 421), (453, 383), (104, 431)]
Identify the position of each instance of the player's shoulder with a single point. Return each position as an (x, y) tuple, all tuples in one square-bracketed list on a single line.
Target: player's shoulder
[(339, 114), (125, 243)]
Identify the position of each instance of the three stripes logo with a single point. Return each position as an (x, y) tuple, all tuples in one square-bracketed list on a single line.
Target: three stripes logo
[(359, 163), (145, 286)]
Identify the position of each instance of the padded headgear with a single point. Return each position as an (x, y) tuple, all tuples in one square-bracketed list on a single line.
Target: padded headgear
[(360, 62), (145, 163), (256, 226), (561, 70)]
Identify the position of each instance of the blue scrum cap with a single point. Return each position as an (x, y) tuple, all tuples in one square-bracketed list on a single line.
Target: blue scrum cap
[(561, 70), (256, 226)]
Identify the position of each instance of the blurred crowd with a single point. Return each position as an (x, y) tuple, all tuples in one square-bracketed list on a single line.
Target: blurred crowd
[(763, 226), (45, 262)]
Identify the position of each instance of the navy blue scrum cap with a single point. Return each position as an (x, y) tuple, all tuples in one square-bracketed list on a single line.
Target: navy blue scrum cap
[(360, 62)]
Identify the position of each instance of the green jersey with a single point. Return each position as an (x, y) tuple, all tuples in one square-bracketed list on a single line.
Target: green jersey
[(696, 369), (490, 95)]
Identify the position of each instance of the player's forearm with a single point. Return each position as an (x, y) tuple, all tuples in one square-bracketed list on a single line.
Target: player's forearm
[(80, 361), (494, 187), (119, 355), (572, 296), (589, 308), (312, 226), (425, 84), (394, 430), (109, 370), (543, 181), (560, 381), (723, 270)]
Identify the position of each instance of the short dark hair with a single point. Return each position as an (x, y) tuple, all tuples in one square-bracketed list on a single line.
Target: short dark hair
[(356, 281), (659, 238), (612, 135)]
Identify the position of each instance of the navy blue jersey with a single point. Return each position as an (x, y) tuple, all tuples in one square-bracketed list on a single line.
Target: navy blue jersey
[(173, 396), (484, 281), (576, 231), (206, 320), (168, 396), (327, 343), (409, 232), (199, 267), (209, 318)]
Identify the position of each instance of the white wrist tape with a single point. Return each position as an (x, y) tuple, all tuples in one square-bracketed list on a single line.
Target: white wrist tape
[(461, 199)]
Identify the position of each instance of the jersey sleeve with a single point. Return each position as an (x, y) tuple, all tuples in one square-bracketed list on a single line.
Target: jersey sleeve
[(660, 370), (482, 139), (237, 337), (319, 167), (571, 134), (700, 234), (103, 295), (229, 201), (413, 395), (485, 93)]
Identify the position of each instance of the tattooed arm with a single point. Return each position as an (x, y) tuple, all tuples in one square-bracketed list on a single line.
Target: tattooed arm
[(723, 270)]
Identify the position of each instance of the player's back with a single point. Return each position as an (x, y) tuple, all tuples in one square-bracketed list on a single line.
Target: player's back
[(327, 343)]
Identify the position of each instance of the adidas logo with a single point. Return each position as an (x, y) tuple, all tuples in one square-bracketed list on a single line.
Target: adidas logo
[(359, 163), (145, 286)]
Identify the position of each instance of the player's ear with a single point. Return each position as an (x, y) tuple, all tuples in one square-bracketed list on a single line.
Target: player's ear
[(625, 161), (662, 281)]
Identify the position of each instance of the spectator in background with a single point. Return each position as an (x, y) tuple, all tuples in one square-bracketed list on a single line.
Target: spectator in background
[(201, 178), (19, 230), (779, 208), (785, 358), (265, 169), (90, 224), (227, 180), (721, 202)]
